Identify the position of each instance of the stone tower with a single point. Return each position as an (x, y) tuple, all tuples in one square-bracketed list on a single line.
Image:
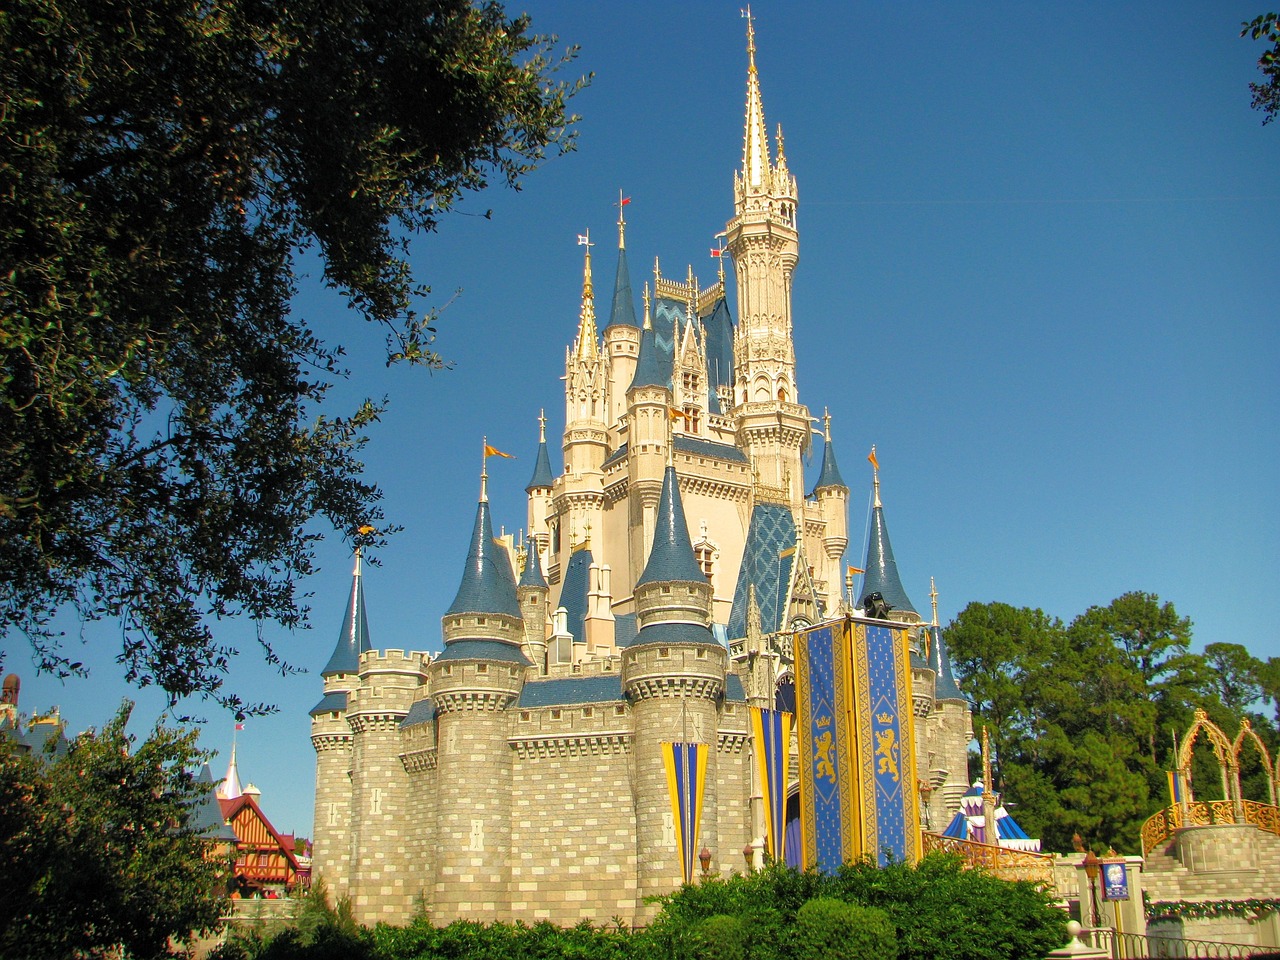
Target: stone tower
[(473, 682), (764, 242), (332, 739), (673, 675)]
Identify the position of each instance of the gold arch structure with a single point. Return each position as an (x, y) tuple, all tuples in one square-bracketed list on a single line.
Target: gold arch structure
[(1247, 733), (1233, 809)]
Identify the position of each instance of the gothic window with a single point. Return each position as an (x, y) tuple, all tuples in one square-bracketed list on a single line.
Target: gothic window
[(692, 419), (555, 538), (782, 394), (785, 694)]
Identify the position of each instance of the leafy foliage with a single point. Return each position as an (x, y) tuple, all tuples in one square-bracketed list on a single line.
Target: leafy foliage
[(831, 929), (96, 849), (1266, 96), (161, 164), (1081, 716), (935, 909)]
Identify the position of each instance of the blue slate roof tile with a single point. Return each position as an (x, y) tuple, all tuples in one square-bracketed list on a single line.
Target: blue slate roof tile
[(488, 583), (573, 595), (946, 687), (329, 703), (206, 818), (717, 334), (542, 476), (562, 691), (829, 475), (671, 557), (422, 711), (770, 534), (673, 633), (353, 638), (483, 650), (881, 569), (532, 575), (623, 312), (709, 448), (733, 689)]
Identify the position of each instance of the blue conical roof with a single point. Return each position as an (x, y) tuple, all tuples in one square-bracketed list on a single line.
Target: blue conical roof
[(717, 330), (353, 639), (488, 585), (649, 366), (623, 313), (206, 818), (882, 570), (532, 576), (671, 558), (542, 476), (945, 688), (829, 476)]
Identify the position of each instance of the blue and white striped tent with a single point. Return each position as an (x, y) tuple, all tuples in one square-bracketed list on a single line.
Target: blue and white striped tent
[(969, 824)]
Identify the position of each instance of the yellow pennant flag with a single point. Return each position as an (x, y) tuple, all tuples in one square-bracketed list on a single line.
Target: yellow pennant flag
[(854, 571), (872, 458), (495, 452), (366, 529), (786, 553)]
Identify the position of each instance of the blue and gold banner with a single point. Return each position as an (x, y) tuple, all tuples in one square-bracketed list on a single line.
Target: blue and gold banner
[(828, 807), (771, 730), (686, 778), (886, 765)]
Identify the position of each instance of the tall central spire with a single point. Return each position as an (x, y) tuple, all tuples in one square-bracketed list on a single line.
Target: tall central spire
[(586, 346), (755, 148)]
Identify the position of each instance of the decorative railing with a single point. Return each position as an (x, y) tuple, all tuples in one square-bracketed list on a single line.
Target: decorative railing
[(1123, 945), (1160, 826), (1000, 861)]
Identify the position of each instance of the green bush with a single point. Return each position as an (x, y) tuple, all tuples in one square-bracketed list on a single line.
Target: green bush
[(831, 929), (721, 937)]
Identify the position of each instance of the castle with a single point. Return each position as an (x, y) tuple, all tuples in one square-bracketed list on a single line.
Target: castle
[(518, 774)]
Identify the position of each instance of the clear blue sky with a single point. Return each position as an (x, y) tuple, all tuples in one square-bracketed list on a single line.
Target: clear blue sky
[(1038, 269)]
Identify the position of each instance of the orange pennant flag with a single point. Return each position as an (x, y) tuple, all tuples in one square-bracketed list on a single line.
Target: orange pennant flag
[(366, 529), (495, 452), (872, 458), (854, 571)]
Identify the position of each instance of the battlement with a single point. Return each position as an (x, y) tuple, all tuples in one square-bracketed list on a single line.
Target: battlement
[(475, 685), (655, 671), (374, 662)]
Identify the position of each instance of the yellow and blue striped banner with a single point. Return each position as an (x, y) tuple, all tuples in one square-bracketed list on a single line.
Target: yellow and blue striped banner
[(771, 730), (686, 765), (828, 804)]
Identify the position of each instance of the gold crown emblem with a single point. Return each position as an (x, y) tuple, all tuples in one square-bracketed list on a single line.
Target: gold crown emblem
[(884, 718)]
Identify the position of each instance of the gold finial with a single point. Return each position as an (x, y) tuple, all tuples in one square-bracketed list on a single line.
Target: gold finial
[(623, 200), (782, 154), (751, 38), (484, 469), (656, 275), (586, 343), (933, 598), (826, 424), (646, 305), (542, 426), (356, 571)]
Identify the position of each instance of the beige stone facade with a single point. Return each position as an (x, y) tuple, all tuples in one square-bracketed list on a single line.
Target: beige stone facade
[(518, 774)]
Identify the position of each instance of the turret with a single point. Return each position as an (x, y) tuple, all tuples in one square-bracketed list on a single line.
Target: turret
[(832, 494), (473, 682), (586, 439), (673, 675), (953, 720), (622, 332), (539, 490), (649, 437), (532, 592), (332, 739), (881, 575)]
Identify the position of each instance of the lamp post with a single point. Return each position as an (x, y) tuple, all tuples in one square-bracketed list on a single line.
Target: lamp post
[(1091, 868), (748, 854), (704, 858)]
